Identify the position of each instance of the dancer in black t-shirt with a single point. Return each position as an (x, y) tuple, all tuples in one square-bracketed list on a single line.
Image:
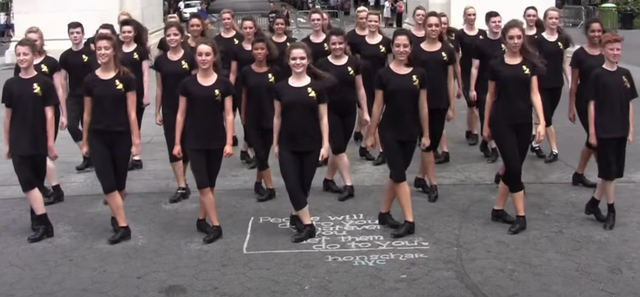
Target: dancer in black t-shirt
[(611, 90), (205, 119), (354, 38), (111, 134), (30, 99), (301, 133), (401, 94), (317, 41), (512, 91), (281, 40)]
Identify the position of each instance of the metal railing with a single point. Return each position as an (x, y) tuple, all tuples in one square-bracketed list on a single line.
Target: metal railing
[(577, 15)]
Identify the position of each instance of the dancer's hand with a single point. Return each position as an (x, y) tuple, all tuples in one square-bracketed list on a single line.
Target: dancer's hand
[(459, 93), (158, 119), (451, 114), (425, 142), (177, 151), (473, 96), (593, 141), (572, 114), (540, 131), (7, 153), (145, 101), (370, 142), (324, 153), (51, 152), (630, 137), (276, 151), (486, 133), (63, 123), (84, 149), (365, 119), (228, 151), (135, 149)]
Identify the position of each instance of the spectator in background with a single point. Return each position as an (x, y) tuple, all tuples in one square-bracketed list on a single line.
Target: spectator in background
[(272, 15), (386, 13), (204, 14), (399, 13), (286, 14)]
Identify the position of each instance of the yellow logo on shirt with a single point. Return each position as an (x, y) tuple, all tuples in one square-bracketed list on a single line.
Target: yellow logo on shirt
[(445, 57), (350, 70), (560, 45), (119, 85), (135, 56), (382, 49), (271, 78), (85, 58), (451, 45), (416, 81), (235, 41), (481, 37), (44, 68), (504, 48), (288, 44), (184, 65), (218, 96), (312, 93), (526, 70), (626, 82), (36, 89), (326, 47)]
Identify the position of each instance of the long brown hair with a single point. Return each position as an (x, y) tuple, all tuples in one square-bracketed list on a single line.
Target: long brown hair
[(316, 74), (117, 52), (451, 31), (527, 53), (35, 30), (196, 16), (539, 23)]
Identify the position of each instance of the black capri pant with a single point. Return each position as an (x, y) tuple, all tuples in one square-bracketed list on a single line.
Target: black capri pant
[(205, 165), (139, 114), (262, 139), (169, 127), (56, 122), (481, 101), (437, 119), (466, 82), (298, 169), (75, 113), (550, 100), (110, 152), (31, 170), (512, 140), (582, 110), (399, 154), (611, 157), (341, 124)]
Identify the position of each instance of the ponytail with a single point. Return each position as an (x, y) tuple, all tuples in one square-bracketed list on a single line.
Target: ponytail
[(323, 77), (564, 37)]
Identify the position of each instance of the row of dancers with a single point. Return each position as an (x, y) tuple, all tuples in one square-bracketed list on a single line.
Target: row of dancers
[(316, 84)]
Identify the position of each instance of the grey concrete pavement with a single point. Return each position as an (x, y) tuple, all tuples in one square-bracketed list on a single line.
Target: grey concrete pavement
[(456, 250)]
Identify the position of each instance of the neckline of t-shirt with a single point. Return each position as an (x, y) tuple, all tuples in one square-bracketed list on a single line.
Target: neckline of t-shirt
[(439, 49), (213, 83), (323, 40), (302, 86), (547, 39), (589, 54), (176, 60), (105, 79), (345, 62), (504, 60), (131, 51), (401, 74)]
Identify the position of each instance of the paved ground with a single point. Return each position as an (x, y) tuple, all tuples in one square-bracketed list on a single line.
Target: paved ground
[(456, 251)]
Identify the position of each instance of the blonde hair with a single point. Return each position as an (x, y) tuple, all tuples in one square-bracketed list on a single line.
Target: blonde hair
[(362, 9), (173, 18), (464, 12), (124, 14), (234, 26), (35, 30)]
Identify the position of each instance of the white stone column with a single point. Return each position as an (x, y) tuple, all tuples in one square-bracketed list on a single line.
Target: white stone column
[(52, 18)]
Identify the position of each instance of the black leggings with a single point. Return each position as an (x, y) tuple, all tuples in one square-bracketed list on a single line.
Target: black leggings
[(341, 124), (466, 81), (56, 122), (75, 113), (550, 100), (30, 170), (298, 170), (481, 101), (237, 106), (437, 118), (399, 154), (262, 139), (513, 142), (110, 152), (139, 114), (582, 111), (205, 165), (169, 127)]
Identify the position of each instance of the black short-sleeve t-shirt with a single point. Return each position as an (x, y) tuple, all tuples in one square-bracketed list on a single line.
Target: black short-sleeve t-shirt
[(318, 50), (343, 95), (417, 40), (485, 51), (172, 73), (467, 42), (78, 64), (612, 93), (354, 40), (204, 122), (27, 99), (512, 102), (133, 61), (585, 63), (436, 63), (280, 62), (375, 54), (109, 110), (553, 52), (243, 58), (48, 67), (260, 90), (226, 47), (300, 119), (401, 94)]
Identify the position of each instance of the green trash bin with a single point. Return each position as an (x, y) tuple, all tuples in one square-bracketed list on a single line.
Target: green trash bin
[(609, 16)]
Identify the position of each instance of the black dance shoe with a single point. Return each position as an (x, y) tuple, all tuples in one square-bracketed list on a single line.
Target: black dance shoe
[(497, 178), (214, 234), (592, 208), (407, 228), (295, 223), (610, 221), (123, 234), (202, 226), (347, 193), (45, 191), (380, 160), (85, 165), (365, 154), (34, 220), (135, 165), (44, 229), (114, 224), (484, 148), (493, 156), (473, 139), (519, 225), (245, 157), (501, 216), (329, 185), (357, 136), (324, 162), (443, 158), (385, 219), (269, 194), (179, 195), (552, 157), (419, 183), (258, 188), (538, 151), (433, 193), (307, 232), (579, 179)]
